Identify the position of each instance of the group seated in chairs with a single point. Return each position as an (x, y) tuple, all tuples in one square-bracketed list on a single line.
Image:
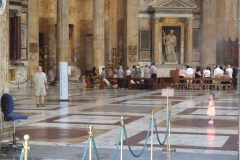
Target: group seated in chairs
[(7, 107), (190, 79)]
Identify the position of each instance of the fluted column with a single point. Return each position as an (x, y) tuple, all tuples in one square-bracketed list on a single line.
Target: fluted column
[(98, 33), (62, 31), (33, 36), (189, 40), (4, 50), (155, 36)]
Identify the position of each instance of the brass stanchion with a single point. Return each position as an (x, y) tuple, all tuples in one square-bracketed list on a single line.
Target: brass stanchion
[(152, 118), (122, 124), (168, 146), (26, 148), (90, 145)]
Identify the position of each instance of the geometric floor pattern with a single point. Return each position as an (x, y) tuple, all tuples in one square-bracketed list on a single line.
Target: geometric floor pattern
[(61, 127)]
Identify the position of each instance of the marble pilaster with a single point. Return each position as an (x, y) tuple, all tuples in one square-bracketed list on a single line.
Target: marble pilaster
[(98, 33), (156, 39), (62, 31), (4, 50), (89, 52), (189, 40), (33, 36), (208, 32)]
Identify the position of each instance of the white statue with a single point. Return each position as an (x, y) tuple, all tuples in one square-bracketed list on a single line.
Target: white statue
[(170, 42)]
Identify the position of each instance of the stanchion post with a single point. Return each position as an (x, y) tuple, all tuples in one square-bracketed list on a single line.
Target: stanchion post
[(18, 83), (26, 147), (122, 124), (90, 145), (31, 82), (152, 119)]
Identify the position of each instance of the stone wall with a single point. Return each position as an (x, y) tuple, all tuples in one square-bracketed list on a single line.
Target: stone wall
[(80, 15)]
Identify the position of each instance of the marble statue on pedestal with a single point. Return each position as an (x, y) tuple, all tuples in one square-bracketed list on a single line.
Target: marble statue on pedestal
[(170, 42)]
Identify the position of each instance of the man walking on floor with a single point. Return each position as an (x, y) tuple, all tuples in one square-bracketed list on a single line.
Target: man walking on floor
[(40, 85)]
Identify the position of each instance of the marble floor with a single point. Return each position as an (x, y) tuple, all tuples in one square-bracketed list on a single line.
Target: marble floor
[(59, 130)]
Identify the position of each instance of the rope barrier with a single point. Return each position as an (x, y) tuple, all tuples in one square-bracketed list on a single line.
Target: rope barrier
[(116, 150), (165, 138), (21, 82), (22, 155), (31, 154), (129, 147), (95, 148), (86, 149)]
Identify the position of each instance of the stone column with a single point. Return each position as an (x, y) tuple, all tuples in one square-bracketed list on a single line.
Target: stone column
[(155, 36), (89, 52), (189, 40), (208, 28), (33, 36), (131, 31), (62, 31), (98, 33), (17, 17), (4, 50)]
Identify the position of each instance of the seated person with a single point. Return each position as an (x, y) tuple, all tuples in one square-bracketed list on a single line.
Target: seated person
[(226, 80), (182, 73)]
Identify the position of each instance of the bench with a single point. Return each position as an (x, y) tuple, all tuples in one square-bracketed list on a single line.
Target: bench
[(202, 83), (142, 83), (163, 82), (91, 85)]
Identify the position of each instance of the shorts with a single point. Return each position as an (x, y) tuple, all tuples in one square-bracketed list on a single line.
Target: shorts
[(40, 92)]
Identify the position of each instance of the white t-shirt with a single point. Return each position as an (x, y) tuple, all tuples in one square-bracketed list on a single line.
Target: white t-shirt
[(230, 71), (40, 78), (190, 71), (207, 73), (128, 72)]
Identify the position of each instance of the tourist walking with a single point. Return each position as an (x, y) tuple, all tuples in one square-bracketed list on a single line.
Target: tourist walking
[(40, 85)]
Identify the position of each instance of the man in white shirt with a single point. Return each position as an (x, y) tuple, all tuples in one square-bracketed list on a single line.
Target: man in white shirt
[(230, 71), (190, 74), (40, 83), (153, 72), (217, 74)]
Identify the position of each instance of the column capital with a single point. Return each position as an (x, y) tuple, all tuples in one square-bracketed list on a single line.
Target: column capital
[(11, 13), (156, 19), (190, 19), (18, 13)]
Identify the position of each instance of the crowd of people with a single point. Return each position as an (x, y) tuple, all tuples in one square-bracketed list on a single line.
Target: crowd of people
[(223, 72)]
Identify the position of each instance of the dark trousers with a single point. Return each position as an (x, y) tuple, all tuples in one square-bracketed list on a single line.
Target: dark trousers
[(154, 76)]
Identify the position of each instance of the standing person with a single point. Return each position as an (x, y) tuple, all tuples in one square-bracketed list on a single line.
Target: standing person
[(40, 85), (120, 74), (133, 71), (153, 72), (211, 108), (146, 74), (234, 76), (138, 71), (128, 73)]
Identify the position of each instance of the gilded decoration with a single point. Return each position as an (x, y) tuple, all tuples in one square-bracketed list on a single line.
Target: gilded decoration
[(132, 50), (172, 20), (34, 47), (132, 59)]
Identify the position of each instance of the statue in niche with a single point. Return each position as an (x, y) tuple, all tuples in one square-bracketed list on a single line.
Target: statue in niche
[(170, 42)]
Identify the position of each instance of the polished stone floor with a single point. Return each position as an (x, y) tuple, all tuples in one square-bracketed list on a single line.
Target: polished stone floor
[(59, 130)]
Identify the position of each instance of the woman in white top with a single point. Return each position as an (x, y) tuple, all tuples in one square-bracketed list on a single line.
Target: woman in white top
[(146, 72), (128, 73), (207, 74)]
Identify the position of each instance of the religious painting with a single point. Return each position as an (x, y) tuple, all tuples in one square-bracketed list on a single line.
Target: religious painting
[(195, 56), (23, 54), (132, 50), (145, 55), (34, 47), (145, 39)]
